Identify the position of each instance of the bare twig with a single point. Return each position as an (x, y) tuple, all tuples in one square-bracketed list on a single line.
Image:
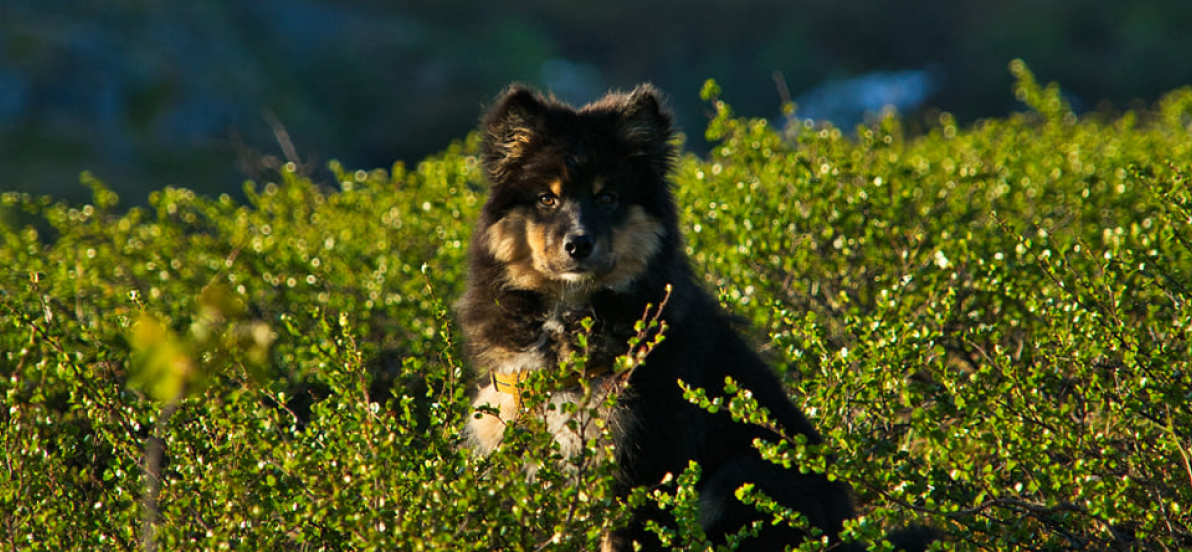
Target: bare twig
[(282, 136), (784, 92), (154, 449)]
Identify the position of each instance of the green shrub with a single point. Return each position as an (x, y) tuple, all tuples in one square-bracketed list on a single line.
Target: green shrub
[(989, 324)]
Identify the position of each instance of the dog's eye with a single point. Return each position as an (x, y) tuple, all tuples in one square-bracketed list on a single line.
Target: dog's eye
[(606, 198), (548, 200)]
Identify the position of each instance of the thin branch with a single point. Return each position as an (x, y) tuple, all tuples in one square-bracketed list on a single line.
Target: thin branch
[(282, 136), (154, 449)]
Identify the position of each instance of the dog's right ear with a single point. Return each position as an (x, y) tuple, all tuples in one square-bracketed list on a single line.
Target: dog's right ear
[(511, 128)]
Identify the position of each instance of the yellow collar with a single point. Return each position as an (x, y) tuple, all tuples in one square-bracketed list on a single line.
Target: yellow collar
[(510, 384)]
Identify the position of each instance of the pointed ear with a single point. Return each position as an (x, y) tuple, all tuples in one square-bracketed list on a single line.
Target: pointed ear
[(644, 124), (510, 129), (643, 120)]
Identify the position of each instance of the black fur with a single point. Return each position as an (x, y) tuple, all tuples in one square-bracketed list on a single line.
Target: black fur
[(518, 320)]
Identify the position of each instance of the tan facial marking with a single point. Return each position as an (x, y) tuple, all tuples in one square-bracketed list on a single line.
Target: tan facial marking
[(506, 238), (597, 185), (556, 187), (520, 245), (634, 243), (536, 238), (539, 252)]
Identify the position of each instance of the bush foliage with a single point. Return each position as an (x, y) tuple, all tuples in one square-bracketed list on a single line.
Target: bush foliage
[(990, 325)]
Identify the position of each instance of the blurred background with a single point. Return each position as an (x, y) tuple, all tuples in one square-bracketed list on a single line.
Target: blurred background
[(207, 93)]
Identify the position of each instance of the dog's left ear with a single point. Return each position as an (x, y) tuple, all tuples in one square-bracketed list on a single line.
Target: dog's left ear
[(644, 124)]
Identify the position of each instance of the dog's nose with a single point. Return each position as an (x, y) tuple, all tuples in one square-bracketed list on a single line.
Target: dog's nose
[(578, 246)]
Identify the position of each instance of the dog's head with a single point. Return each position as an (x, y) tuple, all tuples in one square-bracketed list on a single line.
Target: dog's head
[(579, 197)]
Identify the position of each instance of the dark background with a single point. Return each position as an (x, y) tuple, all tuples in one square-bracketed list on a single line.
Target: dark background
[(206, 93)]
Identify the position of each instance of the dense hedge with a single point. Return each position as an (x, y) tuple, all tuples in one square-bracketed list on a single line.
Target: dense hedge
[(990, 325)]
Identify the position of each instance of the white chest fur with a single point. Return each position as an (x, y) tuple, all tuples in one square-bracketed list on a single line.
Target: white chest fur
[(571, 416)]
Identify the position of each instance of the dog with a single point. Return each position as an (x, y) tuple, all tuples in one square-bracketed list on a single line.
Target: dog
[(580, 223)]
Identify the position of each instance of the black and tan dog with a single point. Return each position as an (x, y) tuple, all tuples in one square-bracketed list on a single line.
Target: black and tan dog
[(581, 223)]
